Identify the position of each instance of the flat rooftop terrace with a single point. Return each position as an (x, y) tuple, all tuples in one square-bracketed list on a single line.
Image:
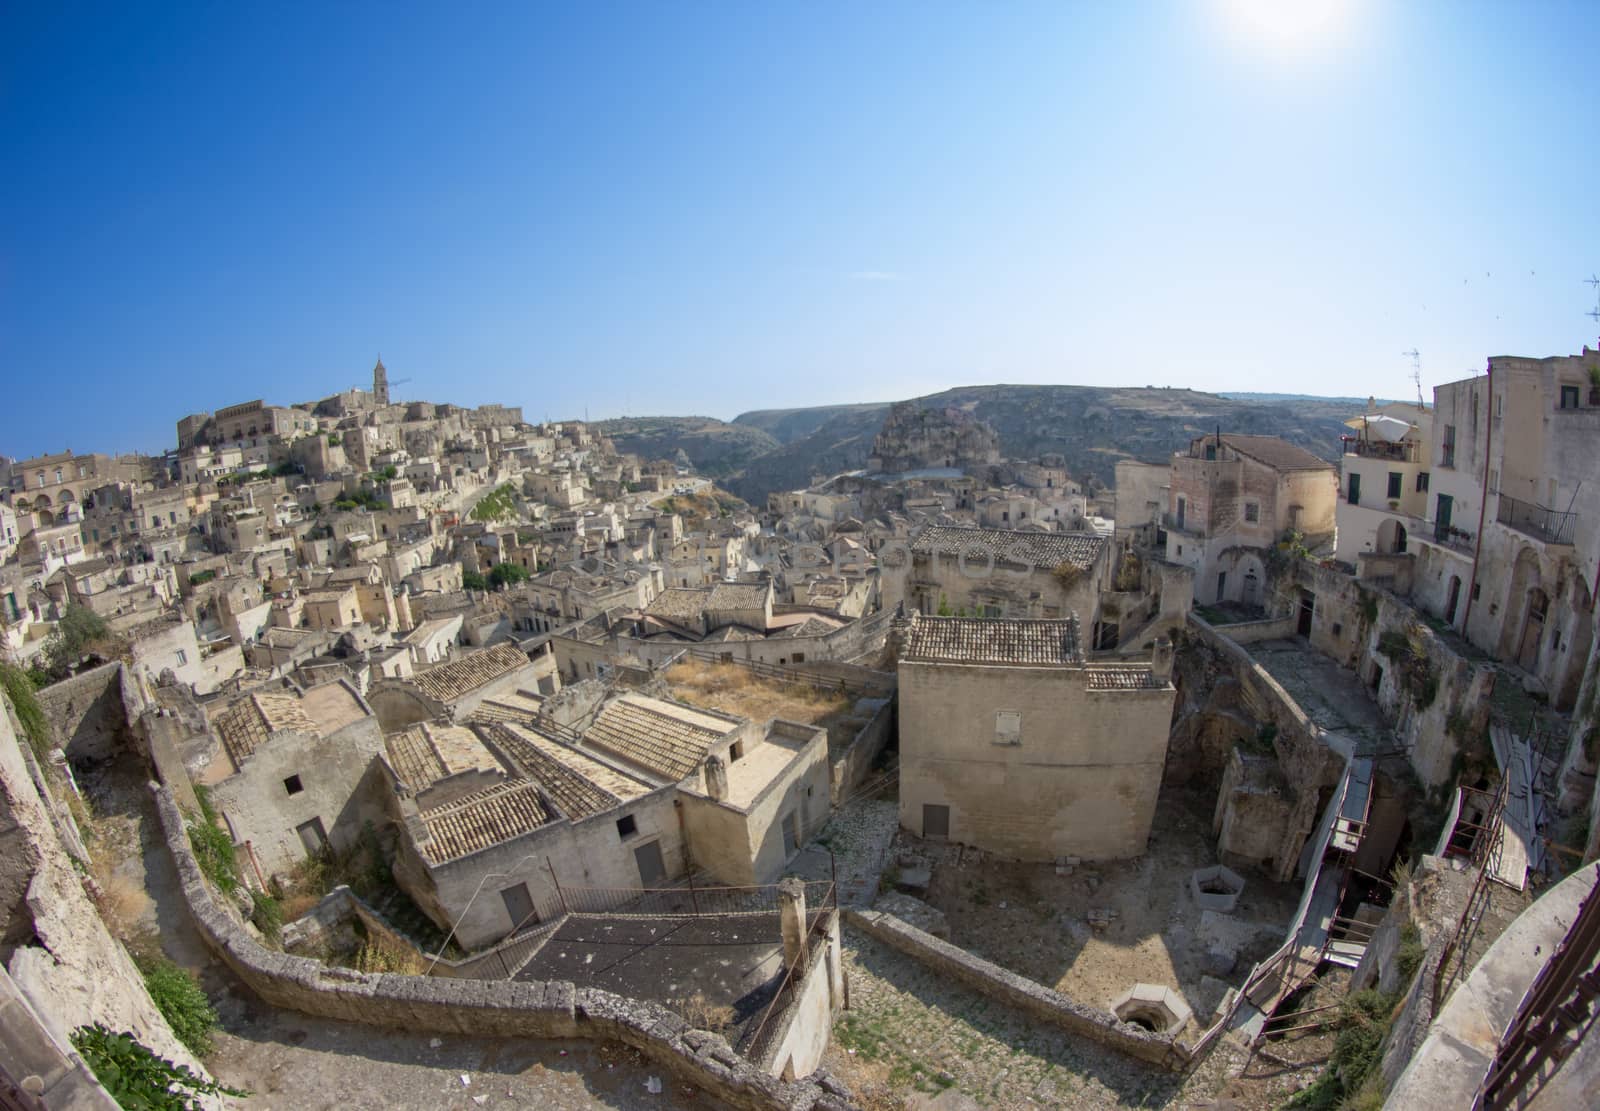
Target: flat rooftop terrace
[(717, 970), (1333, 696)]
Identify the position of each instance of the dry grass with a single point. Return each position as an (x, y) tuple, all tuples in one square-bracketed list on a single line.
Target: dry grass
[(382, 953), (736, 690), (702, 1014)]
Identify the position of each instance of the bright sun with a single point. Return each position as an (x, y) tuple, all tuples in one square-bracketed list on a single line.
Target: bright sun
[(1286, 24)]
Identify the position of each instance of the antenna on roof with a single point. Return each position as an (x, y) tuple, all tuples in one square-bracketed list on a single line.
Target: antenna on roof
[(1594, 313), (1416, 373)]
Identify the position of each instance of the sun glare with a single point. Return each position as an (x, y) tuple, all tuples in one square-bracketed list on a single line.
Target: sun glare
[(1286, 24)]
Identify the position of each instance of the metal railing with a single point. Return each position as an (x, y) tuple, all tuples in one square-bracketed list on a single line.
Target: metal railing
[(1541, 522), (758, 1043), (1402, 452), (1556, 1013), (1453, 538)]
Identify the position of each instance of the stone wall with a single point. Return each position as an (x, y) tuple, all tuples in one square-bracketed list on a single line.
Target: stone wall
[(88, 713), (851, 767), (484, 1008), (994, 982)]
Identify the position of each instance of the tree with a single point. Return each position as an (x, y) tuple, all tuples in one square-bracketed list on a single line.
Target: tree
[(79, 630), (471, 580), (505, 574)]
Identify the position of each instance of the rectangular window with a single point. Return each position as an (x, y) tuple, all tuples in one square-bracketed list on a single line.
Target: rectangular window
[(935, 820), (627, 826), (1396, 483), (1447, 450), (1008, 727), (293, 785), (1422, 482), (736, 751), (1353, 493), (1252, 512), (1569, 397), (183, 657)]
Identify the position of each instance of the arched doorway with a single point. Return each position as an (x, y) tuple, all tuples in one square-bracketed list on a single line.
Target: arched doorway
[(1533, 629), (1391, 537), (1452, 600)]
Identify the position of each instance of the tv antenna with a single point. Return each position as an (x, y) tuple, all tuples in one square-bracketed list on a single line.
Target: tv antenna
[(1594, 313), (1416, 373)]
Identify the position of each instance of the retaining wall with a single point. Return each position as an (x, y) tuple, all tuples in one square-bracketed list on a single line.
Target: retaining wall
[(994, 982), (89, 713), (855, 763), (483, 1008)]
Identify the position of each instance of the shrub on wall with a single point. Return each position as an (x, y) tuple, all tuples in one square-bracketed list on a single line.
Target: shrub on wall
[(137, 1079), (213, 847), (178, 997)]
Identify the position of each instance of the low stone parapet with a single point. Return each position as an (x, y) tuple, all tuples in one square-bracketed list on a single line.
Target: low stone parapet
[(990, 980), (483, 1008)]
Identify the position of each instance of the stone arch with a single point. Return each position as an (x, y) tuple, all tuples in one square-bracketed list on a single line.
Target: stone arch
[(1391, 537), (1525, 576)]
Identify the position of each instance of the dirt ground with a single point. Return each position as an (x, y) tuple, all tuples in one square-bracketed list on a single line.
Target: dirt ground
[(289, 1060), (1032, 920)]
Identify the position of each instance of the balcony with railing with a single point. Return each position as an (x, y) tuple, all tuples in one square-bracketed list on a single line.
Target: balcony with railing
[(1404, 451), (1540, 522)]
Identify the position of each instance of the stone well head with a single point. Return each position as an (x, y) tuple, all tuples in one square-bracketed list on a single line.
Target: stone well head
[(1156, 1008), (1216, 888)]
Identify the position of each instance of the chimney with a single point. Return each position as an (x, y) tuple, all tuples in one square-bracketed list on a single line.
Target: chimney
[(716, 778), (1161, 660), (792, 919)]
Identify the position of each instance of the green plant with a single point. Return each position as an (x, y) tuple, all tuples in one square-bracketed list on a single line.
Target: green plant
[(177, 995), (333, 439), (213, 847), (267, 914), (79, 631), (1363, 1023), (1411, 952), (502, 574), (471, 580), (200, 578), (139, 1080), (19, 687)]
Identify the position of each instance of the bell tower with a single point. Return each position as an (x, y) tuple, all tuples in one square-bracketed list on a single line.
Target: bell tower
[(380, 385)]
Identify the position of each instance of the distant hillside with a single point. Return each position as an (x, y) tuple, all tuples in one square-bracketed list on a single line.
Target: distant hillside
[(715, 447), (1091, 426)]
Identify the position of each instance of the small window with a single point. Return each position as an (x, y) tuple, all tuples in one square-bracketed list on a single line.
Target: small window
[(293, 785), (626, 826), (1008, 727), (799, 657), (1337, 628), (736, 752), (1477, 589), (183, 657), (1569, 397), (1422, 482), (1396, 483), (1252, 512)]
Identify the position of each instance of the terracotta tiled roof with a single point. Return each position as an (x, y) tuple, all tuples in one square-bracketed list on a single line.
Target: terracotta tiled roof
[(579, 786), (993, 641), (1278, 454), (482, 819), (247, 724), (657, 736), (737, 596), (1036, 549), (413, 758), (463, 676), (1121, 677), (679, 603)]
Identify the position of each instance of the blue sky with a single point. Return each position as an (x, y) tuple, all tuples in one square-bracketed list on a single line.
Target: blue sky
[(708, 208)]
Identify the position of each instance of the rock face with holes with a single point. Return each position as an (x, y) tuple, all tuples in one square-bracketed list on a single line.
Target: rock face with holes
[(1156, 1008), (1216, 888)]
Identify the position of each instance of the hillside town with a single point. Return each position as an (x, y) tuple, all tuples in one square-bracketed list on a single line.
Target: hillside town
[(953, 780)]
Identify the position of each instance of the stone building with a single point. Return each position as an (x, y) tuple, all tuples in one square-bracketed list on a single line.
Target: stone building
[(913, 438), (997, 573), (1232, 498), (1384, 481), (1013, 742), (294, 772)]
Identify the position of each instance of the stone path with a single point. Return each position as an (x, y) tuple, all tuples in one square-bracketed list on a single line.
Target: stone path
[(911, 1031)]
